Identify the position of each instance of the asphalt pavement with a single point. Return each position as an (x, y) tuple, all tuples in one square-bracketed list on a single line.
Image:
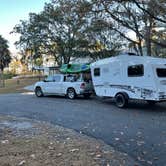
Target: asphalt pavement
[(139, 130)]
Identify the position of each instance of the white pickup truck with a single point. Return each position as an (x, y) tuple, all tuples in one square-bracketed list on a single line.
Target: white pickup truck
[(64, 85)]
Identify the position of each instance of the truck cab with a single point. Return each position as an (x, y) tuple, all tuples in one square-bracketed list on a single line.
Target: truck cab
[(70, 85)]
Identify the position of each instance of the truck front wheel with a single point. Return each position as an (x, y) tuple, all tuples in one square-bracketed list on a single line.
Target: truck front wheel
[(38, 92), (71, 93), (121, 100)]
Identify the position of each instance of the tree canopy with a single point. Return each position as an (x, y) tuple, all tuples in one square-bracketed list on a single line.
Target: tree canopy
[(5, 57), (94, 28), (144, 18)]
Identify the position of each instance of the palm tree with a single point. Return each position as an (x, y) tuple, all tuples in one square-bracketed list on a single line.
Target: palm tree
[(5, 57)]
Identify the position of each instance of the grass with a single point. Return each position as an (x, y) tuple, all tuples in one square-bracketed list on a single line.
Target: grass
[(8, 75), (17, 85)]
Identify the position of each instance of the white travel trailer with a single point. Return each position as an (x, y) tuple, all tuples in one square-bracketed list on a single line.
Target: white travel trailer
[(128, 76)]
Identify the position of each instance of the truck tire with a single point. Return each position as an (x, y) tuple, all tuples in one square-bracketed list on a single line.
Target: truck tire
[(71, 94), (39, 92), (121, 100)]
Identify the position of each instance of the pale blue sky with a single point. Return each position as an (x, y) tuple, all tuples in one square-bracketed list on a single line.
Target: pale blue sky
[(11, 11)]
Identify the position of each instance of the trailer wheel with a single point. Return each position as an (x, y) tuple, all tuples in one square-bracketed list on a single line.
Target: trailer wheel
[(121, 100), (151, 102)]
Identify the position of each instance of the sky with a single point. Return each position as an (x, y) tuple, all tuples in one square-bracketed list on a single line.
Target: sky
[(11, 12)]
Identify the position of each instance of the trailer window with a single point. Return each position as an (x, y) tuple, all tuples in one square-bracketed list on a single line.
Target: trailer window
[(161, 72), (97, 72), (136, 71)]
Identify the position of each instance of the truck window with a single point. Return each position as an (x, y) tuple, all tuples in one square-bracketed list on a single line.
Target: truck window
[(161, 72), (86, 77), (49, 79), (70, 78), (136, 71), (97, 72), (56, 78)]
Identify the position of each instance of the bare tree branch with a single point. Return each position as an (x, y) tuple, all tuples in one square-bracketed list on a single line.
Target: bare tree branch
[(150, 14)]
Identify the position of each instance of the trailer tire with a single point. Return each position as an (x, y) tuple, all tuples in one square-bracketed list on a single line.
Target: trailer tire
[(151, 102), (121, 100)]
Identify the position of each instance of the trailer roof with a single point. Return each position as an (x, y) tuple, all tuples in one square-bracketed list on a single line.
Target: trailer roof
[(126, 58)]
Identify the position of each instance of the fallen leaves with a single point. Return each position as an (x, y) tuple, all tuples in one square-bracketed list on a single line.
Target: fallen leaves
[(22, 163), (74, 150), (117, 139), (4, 141), (140, 143), (57, 145)]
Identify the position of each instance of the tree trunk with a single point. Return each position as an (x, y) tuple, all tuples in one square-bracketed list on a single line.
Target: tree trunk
[(140, 47), (66, 59), (148, 41), (148, 36), (2, 81)]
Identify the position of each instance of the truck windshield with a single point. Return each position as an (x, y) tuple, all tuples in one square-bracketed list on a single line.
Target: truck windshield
[(161, 72)]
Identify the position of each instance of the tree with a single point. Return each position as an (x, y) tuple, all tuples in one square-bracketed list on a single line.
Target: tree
[(65, 29), (15, 66), (140, 17), (30, 40), (159, 35), (157, 13), (104, 42), (5, 57), (58, 30), (65, 25)]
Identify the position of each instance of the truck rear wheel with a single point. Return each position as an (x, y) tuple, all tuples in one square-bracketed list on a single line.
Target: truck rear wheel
[(71, 93), (87, 95), (121, 100)]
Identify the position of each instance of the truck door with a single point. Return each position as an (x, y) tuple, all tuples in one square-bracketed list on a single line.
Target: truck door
[(56, 85), (53, 84)]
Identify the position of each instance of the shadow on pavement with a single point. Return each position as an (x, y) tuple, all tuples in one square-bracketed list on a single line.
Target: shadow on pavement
[(136, 105)]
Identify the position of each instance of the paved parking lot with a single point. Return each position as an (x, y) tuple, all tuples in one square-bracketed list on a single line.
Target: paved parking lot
[(139, 130)]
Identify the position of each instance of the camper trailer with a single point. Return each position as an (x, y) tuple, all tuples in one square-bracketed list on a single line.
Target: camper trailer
[(126, 77)]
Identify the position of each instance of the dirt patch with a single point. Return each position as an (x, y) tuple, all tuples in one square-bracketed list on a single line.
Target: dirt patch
[(23, 142)]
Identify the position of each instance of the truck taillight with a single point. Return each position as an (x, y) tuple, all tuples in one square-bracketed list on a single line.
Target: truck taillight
[(82, 86)]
